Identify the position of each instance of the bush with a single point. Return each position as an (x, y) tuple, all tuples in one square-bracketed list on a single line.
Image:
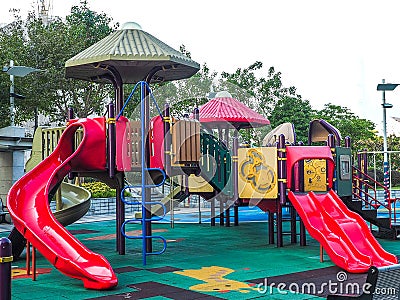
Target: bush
[(99, 189), (379, 175), (395, 178)]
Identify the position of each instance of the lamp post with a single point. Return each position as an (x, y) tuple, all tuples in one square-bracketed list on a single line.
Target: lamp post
[(19, 71), (385, 87)]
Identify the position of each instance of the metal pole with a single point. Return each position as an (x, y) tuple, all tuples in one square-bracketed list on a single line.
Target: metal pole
[(12, 96), (385, 155)]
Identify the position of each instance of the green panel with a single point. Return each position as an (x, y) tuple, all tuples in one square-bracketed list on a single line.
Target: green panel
[(216, 163), (343, 171)]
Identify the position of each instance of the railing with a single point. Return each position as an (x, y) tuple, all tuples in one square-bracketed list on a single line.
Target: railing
[(374, 161), (363, 184)]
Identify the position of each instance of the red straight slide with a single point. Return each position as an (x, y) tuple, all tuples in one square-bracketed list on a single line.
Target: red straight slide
[(28, 204), (343, 234)]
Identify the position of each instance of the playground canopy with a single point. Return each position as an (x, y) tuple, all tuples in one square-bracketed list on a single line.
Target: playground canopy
[(133, 53), (223, 110)]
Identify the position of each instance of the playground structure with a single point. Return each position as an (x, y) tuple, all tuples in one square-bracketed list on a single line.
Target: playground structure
[(281, 175)]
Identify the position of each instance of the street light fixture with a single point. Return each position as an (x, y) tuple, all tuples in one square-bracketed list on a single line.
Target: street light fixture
[(385, 87), (19, 71)]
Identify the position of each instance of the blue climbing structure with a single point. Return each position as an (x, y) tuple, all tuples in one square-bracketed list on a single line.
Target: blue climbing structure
[(146, 217)]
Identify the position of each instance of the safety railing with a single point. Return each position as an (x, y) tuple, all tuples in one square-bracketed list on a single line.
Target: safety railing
[(365, 189)]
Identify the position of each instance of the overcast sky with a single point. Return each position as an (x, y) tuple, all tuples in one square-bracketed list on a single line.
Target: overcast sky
[(332, 51)]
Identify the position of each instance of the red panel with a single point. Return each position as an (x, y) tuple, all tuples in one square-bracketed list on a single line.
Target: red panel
[(94, 156), (157, 143), (297, 153), (124, 145)]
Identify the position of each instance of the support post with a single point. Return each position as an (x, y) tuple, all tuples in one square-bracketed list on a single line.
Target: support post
[(293, 227), (271, 228), (281, 187), (221, 211), (213, 211), (347, 142), (234, 173), (359, 175), (228, 217), (331, 145), (365, 171), (167, 139), (321, 253), (146, 191), (236, 214), (5, 268), (303, 238), (146, 179), (120, 206), (115, 78), (111, 140)]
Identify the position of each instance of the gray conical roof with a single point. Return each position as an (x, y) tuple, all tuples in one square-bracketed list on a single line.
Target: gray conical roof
[(133, 53)]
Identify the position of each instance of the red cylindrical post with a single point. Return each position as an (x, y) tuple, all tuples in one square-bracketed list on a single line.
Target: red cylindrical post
[(5, 268)]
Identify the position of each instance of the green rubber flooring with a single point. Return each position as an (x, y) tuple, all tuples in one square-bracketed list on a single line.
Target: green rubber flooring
[(201, 262)]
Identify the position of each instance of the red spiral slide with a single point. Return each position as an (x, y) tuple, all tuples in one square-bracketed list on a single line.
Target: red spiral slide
[(344, 235), (28, 204)]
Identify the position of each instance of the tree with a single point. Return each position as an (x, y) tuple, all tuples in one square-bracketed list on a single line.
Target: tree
[(11, 47), (294, 110), (261, 94), (358, 129), (48, 46)]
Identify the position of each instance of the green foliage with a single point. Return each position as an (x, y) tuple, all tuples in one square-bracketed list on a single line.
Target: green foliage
[(48, 46), (269, 98), (378, 175), (395, 178), (293, 110), (185, 95), (100, 190), (262, 93), (361, 131)]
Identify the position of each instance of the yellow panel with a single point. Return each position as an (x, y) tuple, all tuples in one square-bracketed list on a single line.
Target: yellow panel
[(257, 170), (315, 175), (198, 184)]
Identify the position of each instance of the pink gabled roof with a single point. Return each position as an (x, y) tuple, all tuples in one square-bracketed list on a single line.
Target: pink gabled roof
[(227, 109)]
